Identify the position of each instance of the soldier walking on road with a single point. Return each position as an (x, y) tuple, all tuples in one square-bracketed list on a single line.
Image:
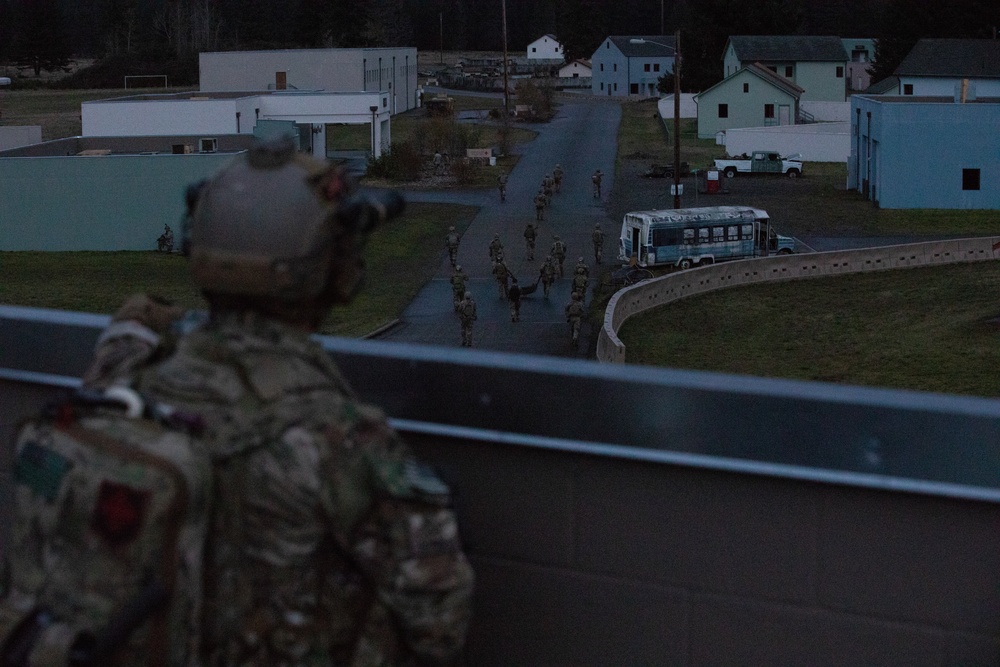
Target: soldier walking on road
[(559, 252), (548, 185), (514, 296), (496, 249), (467, 315), (598, 238), (501, 273), (557, 176), (458, 280), (451, 242), (580, 285), (596, 180), (574, 315), (502, 184), (540, 203), (530, 233), (548, 274), (581, 267)]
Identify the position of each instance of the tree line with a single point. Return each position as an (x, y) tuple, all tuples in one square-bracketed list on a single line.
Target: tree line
[(45, 34)]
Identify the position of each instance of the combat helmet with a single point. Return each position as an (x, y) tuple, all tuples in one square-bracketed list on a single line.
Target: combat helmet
[(277, 225)]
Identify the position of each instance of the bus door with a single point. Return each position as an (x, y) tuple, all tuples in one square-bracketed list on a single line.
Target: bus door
[(763, 229), (637, 244)]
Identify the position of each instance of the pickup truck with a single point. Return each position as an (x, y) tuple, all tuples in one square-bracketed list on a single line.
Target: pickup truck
[(761, 162)]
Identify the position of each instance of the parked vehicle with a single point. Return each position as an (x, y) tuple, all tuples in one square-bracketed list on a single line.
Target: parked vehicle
[(665, 170), (686, 237), (761, 162)]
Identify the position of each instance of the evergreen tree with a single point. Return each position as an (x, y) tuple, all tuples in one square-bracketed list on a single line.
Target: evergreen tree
[(39, 37)]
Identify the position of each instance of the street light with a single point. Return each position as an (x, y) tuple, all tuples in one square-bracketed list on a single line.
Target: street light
[(677, 108)]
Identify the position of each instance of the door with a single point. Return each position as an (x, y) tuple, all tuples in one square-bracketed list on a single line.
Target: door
[(784, 114), (280, 80), (636, 234)]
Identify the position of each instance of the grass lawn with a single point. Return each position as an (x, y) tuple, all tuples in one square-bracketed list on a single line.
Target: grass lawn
[(401, 257), (929, 329)]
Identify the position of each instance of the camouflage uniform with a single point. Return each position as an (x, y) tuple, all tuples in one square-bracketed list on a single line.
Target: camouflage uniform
[(530, 233), (581, 267), (467, 315), (502, 185), (596, 180), (574, 315), (558, 252), (325, 531), (501, 273), (540, 202), (496, 249), (598, 239), (514, 296), (329, 544), (557, 176), (451, 242), (458, 280), (548, 273), (580, 285), (548, 185)]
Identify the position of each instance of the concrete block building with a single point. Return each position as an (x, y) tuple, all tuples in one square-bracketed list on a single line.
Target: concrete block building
[(925, 152), (631, 65), (389, 70)]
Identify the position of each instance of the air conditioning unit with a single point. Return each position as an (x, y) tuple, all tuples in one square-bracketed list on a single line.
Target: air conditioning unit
[(208, 145)]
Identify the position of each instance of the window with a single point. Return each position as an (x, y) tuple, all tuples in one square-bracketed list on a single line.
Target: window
[(723, 111), (746, 87), (840, 72), (747, 231), (768, 111), (533, 49), (689, 235), (718, 234), (788, 71), (616, 87), (615, 67), (732, 233), (646, 67), (970, 179), (662, 237), (907, 88), (602, 67), (634, 89), (656, 67), (602, 85), (703, 235)]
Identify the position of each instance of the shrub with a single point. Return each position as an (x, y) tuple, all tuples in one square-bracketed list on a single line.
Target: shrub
[(402, 163), (465, 171)]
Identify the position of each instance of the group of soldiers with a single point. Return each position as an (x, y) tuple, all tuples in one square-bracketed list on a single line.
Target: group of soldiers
[(551, 268)]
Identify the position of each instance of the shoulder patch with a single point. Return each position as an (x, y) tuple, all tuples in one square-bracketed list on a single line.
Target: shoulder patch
[(41, 470)]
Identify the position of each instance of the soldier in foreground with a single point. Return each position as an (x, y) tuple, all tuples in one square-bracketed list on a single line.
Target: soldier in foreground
[(540, 202), (467, 316), (547, 274), (596, 180), (514, 295), (557, 176), (329, 544), (496, 249), (501, 273), (558, 252)]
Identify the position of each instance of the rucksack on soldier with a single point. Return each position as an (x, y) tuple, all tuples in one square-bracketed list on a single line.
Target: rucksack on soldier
[(111, 506)]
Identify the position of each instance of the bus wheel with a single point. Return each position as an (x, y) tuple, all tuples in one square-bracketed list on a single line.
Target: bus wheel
[(730, 172), (685, 264), (785, 251), (706, 261)]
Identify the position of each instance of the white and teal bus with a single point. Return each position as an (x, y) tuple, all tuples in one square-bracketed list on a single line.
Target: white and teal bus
[(685, 237)]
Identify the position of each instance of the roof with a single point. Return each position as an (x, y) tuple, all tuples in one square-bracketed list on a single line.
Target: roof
[(549, 35), (796, 48), (655, 46), (762, 72), (962, 58), (888, 85)]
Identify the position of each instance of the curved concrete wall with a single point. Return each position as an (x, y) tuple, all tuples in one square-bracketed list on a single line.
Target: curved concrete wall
[(637, 299)]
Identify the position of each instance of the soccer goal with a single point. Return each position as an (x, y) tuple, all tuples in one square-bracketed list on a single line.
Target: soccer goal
[(145, 81)]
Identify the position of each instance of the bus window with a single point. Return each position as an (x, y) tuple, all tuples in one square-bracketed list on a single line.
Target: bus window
[(748, 232), (732, 233), (665, 237), (718, 234), (689, 235), (703, 235)]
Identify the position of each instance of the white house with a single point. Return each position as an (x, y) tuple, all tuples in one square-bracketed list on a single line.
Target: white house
[(546, 47), (389, 70), (936, 67), (578, 69), (209, 115)]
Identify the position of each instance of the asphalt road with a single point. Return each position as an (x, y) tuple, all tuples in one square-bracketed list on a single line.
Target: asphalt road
[(581, 138)]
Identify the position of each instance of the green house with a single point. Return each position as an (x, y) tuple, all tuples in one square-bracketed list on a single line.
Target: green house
[(817, 65), (753, 96)]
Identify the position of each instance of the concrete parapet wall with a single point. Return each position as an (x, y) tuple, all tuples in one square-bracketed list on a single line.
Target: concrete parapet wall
[(639, 298)]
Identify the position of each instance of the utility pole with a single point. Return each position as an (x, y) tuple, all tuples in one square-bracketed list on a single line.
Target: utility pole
[(506, 91), (661, 17), (677, 119)]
